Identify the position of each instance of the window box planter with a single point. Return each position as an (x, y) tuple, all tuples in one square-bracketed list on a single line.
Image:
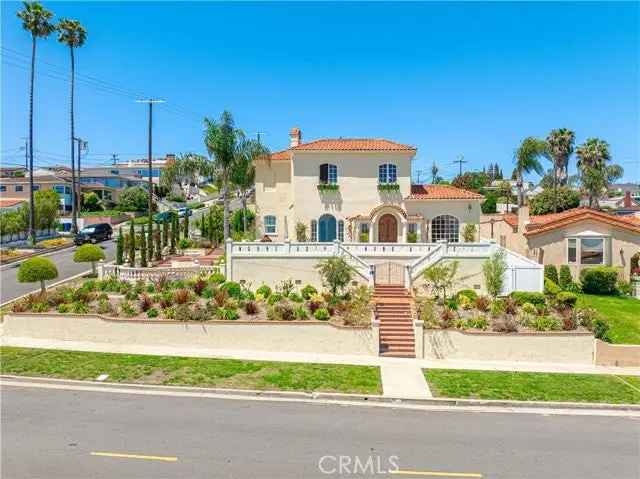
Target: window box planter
[(328, 187), (388, 187)]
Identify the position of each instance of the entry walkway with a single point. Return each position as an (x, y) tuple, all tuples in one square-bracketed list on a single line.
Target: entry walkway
[(403, 380)]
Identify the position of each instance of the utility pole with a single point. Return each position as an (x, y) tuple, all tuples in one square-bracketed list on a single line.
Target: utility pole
[(26, 152), (419, 174), (434, 172), (76, 185), (150, 102), (114, 158), (460, 161)]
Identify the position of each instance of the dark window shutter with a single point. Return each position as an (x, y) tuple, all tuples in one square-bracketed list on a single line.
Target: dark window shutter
[(324, 173)]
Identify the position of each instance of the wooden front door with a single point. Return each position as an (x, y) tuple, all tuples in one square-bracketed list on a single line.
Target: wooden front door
[(388, 229)]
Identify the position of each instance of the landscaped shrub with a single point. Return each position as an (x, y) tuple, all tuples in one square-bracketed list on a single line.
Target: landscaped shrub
[(551, 272), (247, 295), (169, 312), (232, 288), (315, 301), (62, 308), (145, 302), (412, 237), (322, 314), (251, 307), (569, 323), (586, 317), (181, 296), (336, 274), (452, 304), (465, 303), (264, 290), (551, 288), (200, 313), (566, 299), (207, 292), (522, 297), (198, 286), (478, 322), (440, 278), (220, 297), (446, 318), (601, 330), (56, 297), (574, 287), (104, 307), (89, 253), (182, 312), (78, 307), (40, 307), (307, 291), (301, 313), (37, 269), (483, 303), (295, 297), (152, 313), (545, 323), (624, 288), (497, 308), (460, 323), (274, 298), (469, 293), (286, 287), (529, 308), (127, 308), (599, 280), (510, 306), (505, 324), (494, 270), (565, 278), (227, 314), (426, 312)]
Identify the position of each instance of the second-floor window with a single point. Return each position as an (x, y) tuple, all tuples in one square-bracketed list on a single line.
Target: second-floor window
[(270, 225), (3, 188), (36, 187), (19, 188), (328, 174), (387, 173)]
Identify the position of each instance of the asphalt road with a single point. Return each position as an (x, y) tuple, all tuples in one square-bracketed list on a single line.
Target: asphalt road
[(56, 434), (10, 288)]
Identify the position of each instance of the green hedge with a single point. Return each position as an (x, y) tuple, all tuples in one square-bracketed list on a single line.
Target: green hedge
[(599, 280), (522, 297)]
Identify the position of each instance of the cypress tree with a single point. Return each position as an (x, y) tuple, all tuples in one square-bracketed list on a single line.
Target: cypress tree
[(172, 248), (132, 245), (204, 221), (165, 234), (143, 248), (158, 248), (186, 226), (120, 248), (210, 229), (150, 239)]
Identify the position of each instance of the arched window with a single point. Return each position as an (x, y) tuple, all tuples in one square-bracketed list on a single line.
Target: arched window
[(341, 230), (314, 230), (328, 174), (387, 173), (445, 227)]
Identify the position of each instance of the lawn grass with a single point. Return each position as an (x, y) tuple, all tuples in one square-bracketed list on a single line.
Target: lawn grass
[(622, 313), (520, 386), (221, 373)]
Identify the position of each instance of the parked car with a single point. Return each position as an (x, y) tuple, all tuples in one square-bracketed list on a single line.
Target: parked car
[(182, 212), (94, 233)]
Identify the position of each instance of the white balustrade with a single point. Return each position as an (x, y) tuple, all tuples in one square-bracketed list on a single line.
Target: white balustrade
[(127, 273)]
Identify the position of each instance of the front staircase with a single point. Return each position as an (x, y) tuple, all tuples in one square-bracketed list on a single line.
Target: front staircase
[(393, 310)]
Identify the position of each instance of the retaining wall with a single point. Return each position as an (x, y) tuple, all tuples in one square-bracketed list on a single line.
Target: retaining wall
[(623, 355), (486, 346), (296, 336)]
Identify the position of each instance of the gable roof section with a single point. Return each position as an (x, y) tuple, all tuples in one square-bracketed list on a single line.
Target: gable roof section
[(9, 202), (441, 192), (543, 223), (343, 144)]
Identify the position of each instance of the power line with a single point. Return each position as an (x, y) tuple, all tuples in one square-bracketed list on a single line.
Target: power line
[(460, 161)]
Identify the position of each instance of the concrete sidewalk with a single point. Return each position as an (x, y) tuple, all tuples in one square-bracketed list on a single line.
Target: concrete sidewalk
[(317, 358)]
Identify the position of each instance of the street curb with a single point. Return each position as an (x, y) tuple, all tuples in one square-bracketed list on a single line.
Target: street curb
[(38, 253), (358, 398)]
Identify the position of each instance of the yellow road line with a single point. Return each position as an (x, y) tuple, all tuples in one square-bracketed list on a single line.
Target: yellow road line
[(437, 474), (135, 456)]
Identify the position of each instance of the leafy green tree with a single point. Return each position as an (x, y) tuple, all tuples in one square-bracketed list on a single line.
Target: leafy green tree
[(72, 34), (143, 248), (494, 269), (472, 181), (13, 223), (527, 158), (488, 206), (132, 245), (47, 212), (242, 220), (133, 198), (37, 269), (37, 21), (120, 248), (91, 202), (441, 278), (184, 171), (89, 253), (560, 147), (336, 274), (543, 203)]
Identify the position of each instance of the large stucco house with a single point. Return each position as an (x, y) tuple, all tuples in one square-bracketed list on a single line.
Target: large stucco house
[(356, 190)]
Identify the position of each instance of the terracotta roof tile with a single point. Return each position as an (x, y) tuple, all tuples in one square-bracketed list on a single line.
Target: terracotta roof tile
[(9, 202), (441, 192), (543, 223), (281, 155), (354, 144), (511, 219)]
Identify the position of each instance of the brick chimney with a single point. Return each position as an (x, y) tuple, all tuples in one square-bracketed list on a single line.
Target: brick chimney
[(627, 199), (295, 137)]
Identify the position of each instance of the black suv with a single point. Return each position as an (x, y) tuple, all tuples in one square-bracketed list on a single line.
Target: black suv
[(93, 233)]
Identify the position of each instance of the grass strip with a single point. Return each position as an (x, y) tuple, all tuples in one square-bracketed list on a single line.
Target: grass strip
[(168, 370), (525, 386), (621, 312)]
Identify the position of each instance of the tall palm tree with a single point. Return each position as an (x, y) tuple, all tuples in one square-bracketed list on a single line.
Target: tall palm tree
[(595, 172), (221, 138), (243, 173), (527, 158), (72, 34), (560, 145), (37, 21)]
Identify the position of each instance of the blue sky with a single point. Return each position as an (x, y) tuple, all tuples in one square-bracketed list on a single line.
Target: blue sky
[(449, 78)]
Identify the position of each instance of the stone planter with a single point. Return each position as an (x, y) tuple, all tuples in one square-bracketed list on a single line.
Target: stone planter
[(635, 286)]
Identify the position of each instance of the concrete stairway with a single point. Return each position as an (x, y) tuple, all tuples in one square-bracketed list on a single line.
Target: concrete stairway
[(393, 309)]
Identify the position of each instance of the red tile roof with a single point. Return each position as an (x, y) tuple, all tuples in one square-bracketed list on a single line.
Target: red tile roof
[(281, 155), (354, 144), (441, 192), (9, 202), (511, 219), (543, 223)]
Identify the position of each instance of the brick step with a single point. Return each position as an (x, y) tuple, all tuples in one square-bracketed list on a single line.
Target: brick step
[(394, 317), (397, 349), (393, 311), (397, 339), (393, 354), (395, 321), (397, 327)]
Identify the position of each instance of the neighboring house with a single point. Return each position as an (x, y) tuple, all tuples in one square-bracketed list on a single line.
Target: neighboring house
[(18, 187), (356, 190), (580, 237), (140, 168), (622, 205), (10, 204)]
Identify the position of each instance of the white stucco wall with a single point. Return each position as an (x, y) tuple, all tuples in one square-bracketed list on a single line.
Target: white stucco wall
[(274, 195), (534, 347), (305, 337)]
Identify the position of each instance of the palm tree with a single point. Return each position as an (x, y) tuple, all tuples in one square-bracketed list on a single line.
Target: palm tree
[(36, 20), (72, 34), (184, 171), (221, 140), (527, 159), (560, 145), (243, 173), (595, 172)]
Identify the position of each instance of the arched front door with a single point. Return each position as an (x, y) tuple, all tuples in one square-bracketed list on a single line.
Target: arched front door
[(388, 229), (327, 228)]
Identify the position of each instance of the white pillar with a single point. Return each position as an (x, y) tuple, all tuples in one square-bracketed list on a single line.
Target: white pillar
[(228, 263), (418, 338)]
